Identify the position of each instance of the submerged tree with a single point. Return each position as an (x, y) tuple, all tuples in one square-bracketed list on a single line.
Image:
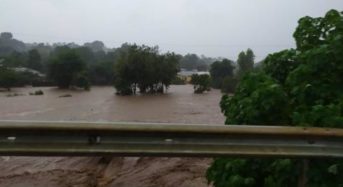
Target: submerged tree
[(65, 67), (143, 68), (220, 71), (201, 83), (8, 77), (301, 87)]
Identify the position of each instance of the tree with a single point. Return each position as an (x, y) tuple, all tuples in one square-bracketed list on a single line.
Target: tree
[(221, 70), (86, 55), (101, 73), (6, 36), (81, 80), (169, 68), (34, 60), (65, 66), (245, 62), (301, 87), (280, 64), (8, 44), (96, 46), (143, 68), (15, 59), (229, 84), (8, 77), (193, 62), (201, 83)]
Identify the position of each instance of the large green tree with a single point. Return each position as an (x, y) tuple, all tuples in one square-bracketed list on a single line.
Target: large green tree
[(34, 60), (220, 71), (299, 87), (65, 67), (8, 77), (143, 68), (245, 62), (194, 62), (201, 83)]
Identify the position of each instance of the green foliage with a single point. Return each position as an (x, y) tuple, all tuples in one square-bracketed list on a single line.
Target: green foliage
[(229, 84), (101, 73), (37, 92), (143, 68), (220, 70), (178, 81), (15, 59), (8, 77), (257, 101), (9, 45), (300, 87), (65, 66), (193, 62), (245, 62), (201, 83), (279, 65), (251, 172), (314, 32), (34, 60), (81, 80)]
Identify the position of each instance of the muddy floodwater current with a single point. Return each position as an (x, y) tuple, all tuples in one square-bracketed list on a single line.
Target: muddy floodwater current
[(178, 105)]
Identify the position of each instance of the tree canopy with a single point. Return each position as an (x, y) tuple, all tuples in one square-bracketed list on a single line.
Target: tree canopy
[(143, 68), (191, 62), (34, 60), (8, 77), (220, 71), (245, 62), (299, 87), (65, 67), (201, 83)]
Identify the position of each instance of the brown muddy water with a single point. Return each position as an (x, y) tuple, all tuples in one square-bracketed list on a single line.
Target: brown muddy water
[(179, 105)]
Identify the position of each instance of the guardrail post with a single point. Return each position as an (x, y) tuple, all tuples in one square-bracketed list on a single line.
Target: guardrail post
[(304, 164)]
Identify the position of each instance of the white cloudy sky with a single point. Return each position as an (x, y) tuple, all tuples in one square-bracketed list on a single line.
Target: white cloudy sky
[(209, 27)]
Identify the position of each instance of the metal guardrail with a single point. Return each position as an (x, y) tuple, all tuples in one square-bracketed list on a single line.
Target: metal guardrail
[(23, 138)]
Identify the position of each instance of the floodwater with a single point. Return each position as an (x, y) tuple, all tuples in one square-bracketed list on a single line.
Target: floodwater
[(178, 105)]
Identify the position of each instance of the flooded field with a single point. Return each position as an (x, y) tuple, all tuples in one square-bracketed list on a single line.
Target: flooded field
[(179, 105)]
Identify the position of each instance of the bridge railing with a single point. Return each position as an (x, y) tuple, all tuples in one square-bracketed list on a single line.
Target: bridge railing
[(33, 138)]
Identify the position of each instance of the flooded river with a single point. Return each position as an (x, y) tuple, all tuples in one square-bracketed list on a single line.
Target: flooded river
[(100, 104), (179, 105)]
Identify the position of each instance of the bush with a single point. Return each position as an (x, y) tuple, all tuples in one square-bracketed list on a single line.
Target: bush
[(81, 80), (201, 83), (178, 81), (8, 78), (37, 92)]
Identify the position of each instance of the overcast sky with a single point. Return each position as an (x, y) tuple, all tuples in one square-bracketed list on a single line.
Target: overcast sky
[(210, 27)]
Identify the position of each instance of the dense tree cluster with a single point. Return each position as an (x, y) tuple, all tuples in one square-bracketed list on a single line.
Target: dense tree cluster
[(201, 83), (245, 62), (8, 77), (8, 44), (34, 60), (66, 68), (222, 75), (143, 68), (191, 62), (299, 87), (98, 60)]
